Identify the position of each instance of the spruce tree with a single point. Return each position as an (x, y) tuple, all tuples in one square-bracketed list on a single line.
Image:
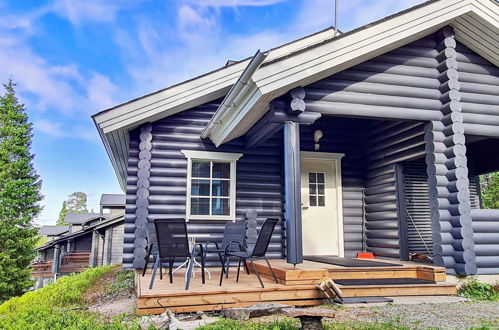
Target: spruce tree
[(19, 196)]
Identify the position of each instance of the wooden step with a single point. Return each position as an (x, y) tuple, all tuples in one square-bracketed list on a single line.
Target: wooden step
[(421, 272), (299, 276), (437, 289)]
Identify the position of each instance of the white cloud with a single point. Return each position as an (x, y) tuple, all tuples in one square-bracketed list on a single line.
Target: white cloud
[(61, 130), (81, 11), (235, 3), (100, 91), (49, 128)]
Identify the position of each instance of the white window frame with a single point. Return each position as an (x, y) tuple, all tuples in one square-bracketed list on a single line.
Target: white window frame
[(227, 157)]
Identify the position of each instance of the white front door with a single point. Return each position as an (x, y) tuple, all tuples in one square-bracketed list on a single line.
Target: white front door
[(322, 223)]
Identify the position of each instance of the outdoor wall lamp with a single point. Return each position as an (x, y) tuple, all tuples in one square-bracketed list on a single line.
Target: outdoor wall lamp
[(317, 136)]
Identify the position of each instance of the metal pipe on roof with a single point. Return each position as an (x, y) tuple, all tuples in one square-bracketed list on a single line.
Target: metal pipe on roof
[(335, 17), (236, 92)]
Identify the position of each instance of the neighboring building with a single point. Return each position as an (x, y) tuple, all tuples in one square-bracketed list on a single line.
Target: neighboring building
[(373, 138), (53, 232), (91, 239), (112, 204)]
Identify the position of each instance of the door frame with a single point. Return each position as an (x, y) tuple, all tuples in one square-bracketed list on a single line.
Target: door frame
[(336, 158)]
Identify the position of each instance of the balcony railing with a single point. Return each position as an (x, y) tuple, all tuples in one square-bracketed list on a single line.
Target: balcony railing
[(74, 262)]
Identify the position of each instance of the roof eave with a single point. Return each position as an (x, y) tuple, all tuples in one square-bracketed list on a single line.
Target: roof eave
[(321, 61)]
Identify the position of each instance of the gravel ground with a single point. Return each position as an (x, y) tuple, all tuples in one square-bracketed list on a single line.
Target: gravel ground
[(455, 315)]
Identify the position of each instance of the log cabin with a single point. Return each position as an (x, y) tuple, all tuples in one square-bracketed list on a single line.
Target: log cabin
[(369, 140)]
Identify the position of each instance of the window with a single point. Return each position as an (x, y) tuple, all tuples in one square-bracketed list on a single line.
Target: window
[(316, 186), (211, 185)]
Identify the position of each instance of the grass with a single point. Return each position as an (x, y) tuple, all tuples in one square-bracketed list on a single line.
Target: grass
[(476, 290), (285, 323), (59, 306)]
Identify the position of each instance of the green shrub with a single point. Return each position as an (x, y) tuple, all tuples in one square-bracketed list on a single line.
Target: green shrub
[(123, 284), (278, 324), (476, 290), (57, 306)]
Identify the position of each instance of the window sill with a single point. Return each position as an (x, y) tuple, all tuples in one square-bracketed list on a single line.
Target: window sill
[(209, 218)]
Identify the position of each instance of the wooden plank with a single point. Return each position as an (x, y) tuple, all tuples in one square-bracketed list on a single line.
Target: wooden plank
[(206, 299), (373, 274), (218, 307), (291, 274), (399, 290)]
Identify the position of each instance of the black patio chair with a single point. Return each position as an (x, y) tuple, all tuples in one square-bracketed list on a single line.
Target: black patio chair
[(258, 252), (234, 232), (152, 247), (172, 240)]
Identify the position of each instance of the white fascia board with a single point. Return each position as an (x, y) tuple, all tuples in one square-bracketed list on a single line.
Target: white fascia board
[(172, 100), (488, 10)]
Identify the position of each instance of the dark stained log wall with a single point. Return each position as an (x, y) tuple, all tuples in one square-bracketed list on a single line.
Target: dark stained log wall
[(479, 82), (387, 144), (402, 84), (259, 179), (486, 238)]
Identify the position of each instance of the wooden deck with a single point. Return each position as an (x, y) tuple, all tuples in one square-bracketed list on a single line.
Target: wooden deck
[(297, 287)]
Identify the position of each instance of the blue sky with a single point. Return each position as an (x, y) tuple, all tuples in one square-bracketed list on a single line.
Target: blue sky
[(73, 58)]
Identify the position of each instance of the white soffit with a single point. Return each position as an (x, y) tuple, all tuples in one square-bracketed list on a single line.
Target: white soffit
[(476, 24)]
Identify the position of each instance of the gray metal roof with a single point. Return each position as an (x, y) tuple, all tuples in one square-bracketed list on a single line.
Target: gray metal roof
[(112, 200), (53, 230), (80, 218)]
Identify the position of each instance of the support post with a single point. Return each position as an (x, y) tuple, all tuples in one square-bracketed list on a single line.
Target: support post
[(292, 187), (448, 182)]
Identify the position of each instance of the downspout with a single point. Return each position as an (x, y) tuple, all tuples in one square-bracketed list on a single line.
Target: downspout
[(236, 92)]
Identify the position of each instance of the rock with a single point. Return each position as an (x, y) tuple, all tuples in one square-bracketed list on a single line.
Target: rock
[(310, 318), (236, 313), (257, 310)]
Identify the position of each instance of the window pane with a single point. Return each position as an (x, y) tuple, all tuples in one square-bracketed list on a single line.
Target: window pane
[(200, 169), (221, 170), (312, 188), (312, 177), (200, 187), (321, 201), (200, 206), (320, 189), (220, 188), (313, 201), (320, 177), (220, 206)]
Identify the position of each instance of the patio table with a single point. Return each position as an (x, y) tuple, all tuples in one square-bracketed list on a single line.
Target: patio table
[(192, 241)]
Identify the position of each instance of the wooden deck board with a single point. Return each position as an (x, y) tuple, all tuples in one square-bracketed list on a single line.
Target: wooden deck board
[(298, 286)]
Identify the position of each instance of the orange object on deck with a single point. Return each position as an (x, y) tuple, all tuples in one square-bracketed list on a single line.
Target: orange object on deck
[(365, 255)]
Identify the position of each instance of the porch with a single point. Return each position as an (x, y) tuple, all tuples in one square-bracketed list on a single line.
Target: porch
[(297, 286)]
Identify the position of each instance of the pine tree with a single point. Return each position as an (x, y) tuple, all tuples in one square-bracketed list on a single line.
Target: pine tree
[(62, 214), (76, 203), (19, 196)]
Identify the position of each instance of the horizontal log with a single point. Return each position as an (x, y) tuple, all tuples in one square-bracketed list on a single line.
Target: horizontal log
[(481, 130), (373, 99), (338, 108)]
